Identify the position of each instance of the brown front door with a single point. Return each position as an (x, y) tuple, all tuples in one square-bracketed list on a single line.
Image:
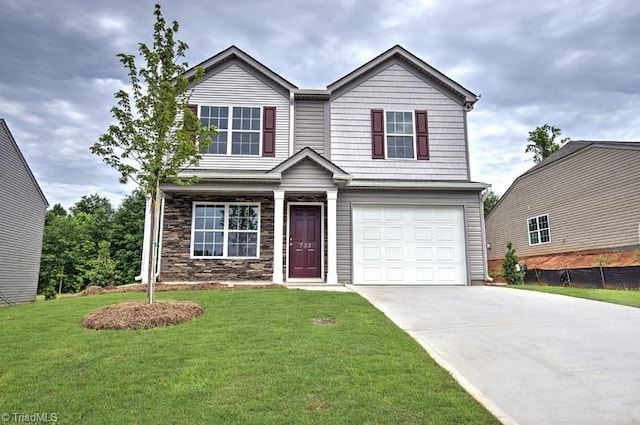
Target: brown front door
[(305, 235)]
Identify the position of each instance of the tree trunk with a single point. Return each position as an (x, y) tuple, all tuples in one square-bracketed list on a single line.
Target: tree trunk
[(153, 257)]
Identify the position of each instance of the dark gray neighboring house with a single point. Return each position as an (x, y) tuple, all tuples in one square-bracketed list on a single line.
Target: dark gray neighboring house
[(22, 211), (585, 196)]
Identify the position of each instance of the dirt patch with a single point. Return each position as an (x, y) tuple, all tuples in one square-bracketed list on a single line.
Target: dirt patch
[(164, 287), (142, 315), (324, 321), (574, 260)]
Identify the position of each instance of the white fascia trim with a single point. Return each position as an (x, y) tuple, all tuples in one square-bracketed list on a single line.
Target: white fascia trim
[(218, 187), (208, 175), (417, 185)]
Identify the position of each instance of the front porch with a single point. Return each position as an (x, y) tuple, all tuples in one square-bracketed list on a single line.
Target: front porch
[(293, 236)]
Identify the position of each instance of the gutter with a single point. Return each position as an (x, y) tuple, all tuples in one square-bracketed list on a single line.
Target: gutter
[(418, 185)]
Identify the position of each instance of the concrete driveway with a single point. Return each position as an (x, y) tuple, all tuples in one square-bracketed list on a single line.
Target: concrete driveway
[(531, 358)]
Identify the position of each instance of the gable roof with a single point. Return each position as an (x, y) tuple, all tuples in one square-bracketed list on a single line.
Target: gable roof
[(5, 128), (400, 53), (571, 148), (309, 153), (234, 52), (574, 146)]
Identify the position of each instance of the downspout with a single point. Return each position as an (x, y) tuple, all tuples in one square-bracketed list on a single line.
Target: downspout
[(145, 249), (292, 109), (482, 197)]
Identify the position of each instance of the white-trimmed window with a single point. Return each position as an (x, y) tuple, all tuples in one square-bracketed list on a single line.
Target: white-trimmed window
[(539, 230), (400, 134), (225, 230), (239, 129)]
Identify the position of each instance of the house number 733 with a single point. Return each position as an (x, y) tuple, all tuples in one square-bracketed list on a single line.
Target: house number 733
[(304, 245)]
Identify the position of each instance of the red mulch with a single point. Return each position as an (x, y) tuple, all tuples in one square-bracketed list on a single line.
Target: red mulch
[(142, 315), (575, 260), (163, 287)]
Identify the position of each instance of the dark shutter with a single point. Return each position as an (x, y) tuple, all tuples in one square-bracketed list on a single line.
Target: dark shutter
[(269, 131), (377, 134), (194, 109), (422, 135)]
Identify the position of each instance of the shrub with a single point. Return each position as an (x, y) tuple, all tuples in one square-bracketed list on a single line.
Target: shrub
[(512, 271), (49, 291)]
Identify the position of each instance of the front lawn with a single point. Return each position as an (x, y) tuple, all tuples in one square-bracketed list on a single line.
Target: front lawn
[(630, 297), (254, 357)]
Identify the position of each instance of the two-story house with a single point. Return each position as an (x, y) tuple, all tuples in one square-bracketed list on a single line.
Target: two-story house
[(366, 182)]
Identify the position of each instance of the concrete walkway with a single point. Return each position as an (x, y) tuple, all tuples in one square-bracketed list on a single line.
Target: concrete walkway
[(531, 358)]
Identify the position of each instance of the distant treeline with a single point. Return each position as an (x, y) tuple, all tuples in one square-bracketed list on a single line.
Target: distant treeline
[(92, 244)]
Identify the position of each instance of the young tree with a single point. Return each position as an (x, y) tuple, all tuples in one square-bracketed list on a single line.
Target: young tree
[(102, 269), (156, 134), (542, 142), (490, 201)]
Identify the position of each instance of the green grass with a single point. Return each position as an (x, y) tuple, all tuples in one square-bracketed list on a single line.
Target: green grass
[(254, 357), (630, 297)]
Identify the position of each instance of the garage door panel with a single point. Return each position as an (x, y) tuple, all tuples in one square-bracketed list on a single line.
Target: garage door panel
[(408, 245), (393, 233), (394, 253), (423, 234), (371, 233), (395, 274)]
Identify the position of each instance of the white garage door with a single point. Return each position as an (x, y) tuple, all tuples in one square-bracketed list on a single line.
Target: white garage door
[(408, 245)]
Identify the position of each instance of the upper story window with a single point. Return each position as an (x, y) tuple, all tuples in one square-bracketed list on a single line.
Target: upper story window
[(399, 135), (539, 230), (400, 139), (243, 130)]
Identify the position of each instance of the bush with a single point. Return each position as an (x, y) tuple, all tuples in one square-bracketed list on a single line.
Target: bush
[(512, 271), (49, 291)]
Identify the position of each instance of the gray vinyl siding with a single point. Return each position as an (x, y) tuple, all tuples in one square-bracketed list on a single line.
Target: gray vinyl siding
[(592, 198), (234, 86), (22, 211), (398, 89), (307, 175), (469, 200), (309, 125)]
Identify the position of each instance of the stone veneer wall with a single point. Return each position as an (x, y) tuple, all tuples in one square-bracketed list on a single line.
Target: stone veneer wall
[(303, 198), (176, 264)]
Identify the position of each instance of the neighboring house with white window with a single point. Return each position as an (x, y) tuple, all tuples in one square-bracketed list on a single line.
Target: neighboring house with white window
[(584, 197), (365, 182), (22, 211)]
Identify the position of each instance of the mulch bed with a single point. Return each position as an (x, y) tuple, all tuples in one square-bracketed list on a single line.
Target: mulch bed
[(142, 315), (163, 287)]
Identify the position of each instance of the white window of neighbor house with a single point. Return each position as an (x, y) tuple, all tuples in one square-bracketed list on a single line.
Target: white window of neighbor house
[(539, 231)]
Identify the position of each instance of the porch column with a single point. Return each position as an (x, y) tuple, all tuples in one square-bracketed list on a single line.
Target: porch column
[(278, 232), (332, 231), (144, 263)]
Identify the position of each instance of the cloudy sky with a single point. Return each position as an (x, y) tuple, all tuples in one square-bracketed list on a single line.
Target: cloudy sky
[(574, 64)]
